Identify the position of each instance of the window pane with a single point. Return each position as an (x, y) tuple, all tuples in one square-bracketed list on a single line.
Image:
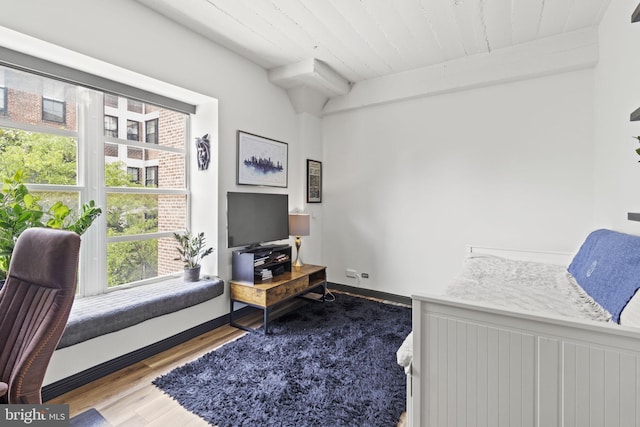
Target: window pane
[(131, 214), (172, 212), (37, 100), (167, 254), (169, 167), (145, 213), (142, 259), (71, 199), (131, 261), (44, 158)]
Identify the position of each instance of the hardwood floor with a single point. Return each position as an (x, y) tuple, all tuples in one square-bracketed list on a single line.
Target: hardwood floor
[(127, 398)]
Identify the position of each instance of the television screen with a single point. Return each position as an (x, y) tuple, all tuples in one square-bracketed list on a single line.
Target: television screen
[(254, 218)]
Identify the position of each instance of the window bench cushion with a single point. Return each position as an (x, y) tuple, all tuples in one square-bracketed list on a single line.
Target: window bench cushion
[(101, 314)]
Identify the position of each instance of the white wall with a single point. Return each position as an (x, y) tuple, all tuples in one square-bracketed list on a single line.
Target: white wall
[(310, 141), (617, 94), (125, 33), (408, 184)]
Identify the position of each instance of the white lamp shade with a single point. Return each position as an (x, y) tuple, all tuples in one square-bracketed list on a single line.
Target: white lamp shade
[(298, 224)]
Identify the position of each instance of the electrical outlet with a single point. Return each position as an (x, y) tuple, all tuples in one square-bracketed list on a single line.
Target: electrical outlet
[(365, 275), (351, 273)]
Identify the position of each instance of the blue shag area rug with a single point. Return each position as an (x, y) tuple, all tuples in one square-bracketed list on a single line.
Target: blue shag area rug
[(331, 364)]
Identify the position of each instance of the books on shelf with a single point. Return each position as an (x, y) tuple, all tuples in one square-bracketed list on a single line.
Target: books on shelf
[(257, 262), (268, 273), (265, 274), (260, 261)]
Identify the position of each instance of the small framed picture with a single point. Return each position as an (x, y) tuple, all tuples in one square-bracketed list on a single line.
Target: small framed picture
[(314, 181), (262, 161)]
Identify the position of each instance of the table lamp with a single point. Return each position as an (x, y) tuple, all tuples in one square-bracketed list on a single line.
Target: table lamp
[(298, 226)]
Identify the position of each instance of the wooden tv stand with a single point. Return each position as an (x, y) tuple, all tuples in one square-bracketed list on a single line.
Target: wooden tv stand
[(267, 294)]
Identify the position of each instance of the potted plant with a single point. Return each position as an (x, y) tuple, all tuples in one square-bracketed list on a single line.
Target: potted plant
[(19, 210), (191, 248)]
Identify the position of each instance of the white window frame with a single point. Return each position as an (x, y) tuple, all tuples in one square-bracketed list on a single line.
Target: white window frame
[(22, 50), (91, 186)]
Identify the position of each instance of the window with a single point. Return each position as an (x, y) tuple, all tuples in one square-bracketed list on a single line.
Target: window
[(110, 126), (134, 174), (53, 110), (151, 176), (140, 213), (135, 106), (135, 153), (110, 100), (54, 100), (151, 131), (110, 150), (133, 130)]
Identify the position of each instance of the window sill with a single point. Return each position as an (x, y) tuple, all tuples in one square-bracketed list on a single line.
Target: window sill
[(102, 314)]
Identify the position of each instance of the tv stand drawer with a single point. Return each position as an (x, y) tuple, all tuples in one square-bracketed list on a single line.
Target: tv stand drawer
[(287, 290)]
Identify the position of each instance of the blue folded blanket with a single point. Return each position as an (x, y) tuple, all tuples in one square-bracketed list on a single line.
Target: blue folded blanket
[(607, 267)]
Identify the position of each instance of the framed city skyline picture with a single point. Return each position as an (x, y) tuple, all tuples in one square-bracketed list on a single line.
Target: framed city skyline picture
[(262, 161)]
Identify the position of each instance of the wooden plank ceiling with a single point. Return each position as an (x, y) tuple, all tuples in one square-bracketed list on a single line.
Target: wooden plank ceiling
[(364, 39)]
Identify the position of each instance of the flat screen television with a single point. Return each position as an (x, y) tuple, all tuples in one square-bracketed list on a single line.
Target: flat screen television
[(254, 218)]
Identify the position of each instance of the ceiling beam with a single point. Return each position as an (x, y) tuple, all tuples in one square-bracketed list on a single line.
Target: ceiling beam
[(309, 84), (552, 55), (313, 73)]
